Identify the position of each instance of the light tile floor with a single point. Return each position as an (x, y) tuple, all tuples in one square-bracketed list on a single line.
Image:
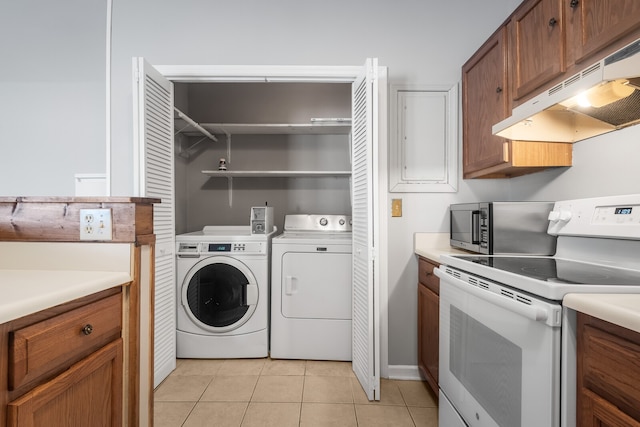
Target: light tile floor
[(281, 393)]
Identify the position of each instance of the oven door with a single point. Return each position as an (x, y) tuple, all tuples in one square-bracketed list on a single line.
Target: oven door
[(499, 353)]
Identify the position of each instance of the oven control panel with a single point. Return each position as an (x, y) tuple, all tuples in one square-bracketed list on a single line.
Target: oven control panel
[(616, 217), (617, 214)]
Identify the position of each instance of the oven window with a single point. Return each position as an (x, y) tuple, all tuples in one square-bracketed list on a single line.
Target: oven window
[(488, 365)]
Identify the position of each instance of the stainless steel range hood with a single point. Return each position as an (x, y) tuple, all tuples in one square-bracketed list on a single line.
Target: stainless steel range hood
[(601, 98)]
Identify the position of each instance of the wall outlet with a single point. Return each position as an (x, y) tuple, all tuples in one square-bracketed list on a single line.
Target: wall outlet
[(95, 224)]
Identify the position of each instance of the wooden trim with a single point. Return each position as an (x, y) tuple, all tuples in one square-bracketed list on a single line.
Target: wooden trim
[(152, 297), (148, 239), (133, 396), (74, 199), (58, 219)]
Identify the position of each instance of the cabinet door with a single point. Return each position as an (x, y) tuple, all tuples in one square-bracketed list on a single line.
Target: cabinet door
[(537, 42), (594, 411), (485, 99), (593, 24), (428, 342), (88, 394)]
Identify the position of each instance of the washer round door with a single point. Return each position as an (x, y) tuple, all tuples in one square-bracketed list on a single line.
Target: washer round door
[(220, 294)]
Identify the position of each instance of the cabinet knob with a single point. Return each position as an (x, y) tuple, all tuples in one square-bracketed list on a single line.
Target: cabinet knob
[(87, 329), (498, 89), (552, 22), (573, 4)]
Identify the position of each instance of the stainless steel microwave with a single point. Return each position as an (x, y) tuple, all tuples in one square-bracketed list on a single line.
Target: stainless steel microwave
[(502, 227)]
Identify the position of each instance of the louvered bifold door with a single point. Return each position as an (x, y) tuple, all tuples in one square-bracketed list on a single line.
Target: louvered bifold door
[(156, 179), (366, 345)]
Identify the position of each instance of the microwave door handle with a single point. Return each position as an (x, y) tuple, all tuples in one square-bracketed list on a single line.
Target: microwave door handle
[(532, 313), (475, 227)]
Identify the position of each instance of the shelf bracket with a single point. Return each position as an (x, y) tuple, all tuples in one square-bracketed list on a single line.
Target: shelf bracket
[(230, 184), (191, 122), (228, 135)]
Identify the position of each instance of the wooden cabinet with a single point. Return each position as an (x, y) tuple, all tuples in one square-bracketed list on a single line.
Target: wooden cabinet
[(64, 365), (45, 221), (537, 45), (428, 322), (608, 390), (486, 100), (595, 25), (541, 44), (550, 40)]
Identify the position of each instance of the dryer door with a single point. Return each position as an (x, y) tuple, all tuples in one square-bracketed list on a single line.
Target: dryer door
[(220, 293)]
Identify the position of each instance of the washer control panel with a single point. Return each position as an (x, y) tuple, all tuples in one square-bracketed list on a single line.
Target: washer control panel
[(196, 249)]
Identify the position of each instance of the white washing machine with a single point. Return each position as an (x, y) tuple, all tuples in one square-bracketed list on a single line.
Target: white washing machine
[(222, 288), (311, 288)]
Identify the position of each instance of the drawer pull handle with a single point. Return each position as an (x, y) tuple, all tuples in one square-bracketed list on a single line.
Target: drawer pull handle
[(87, 329)]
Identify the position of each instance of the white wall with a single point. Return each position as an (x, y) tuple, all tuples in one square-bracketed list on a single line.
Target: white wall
[(605, 165), (52, 94)]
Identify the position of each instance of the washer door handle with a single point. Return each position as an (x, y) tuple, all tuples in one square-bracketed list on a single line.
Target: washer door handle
[(291, 285), (252, 294)]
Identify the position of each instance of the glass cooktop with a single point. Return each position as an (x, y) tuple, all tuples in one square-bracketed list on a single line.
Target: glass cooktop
[(558, 270)]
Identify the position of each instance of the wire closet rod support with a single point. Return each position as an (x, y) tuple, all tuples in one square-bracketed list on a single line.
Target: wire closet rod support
[(195, 125)]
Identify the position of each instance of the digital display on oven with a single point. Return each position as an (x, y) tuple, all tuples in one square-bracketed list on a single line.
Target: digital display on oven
[(623, 211), (219, 247)]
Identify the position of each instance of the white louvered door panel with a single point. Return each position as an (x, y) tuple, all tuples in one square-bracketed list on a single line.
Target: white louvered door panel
[(156, 179), (366, 345)]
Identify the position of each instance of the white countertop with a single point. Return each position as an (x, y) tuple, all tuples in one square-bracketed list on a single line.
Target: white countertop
[(619, 309), (23, 292), (432, 245)]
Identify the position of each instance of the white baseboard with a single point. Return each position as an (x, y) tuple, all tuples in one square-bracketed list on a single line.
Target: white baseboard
[(404, 372)]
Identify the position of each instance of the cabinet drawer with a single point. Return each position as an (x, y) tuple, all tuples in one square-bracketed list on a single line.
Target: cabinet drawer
[(52, 345), (426, 276)]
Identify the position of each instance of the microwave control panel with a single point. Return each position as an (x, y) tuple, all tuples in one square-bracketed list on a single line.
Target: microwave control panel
[(483, 218)]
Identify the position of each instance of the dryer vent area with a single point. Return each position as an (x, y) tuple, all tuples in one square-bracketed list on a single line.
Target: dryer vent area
[(285, 145)]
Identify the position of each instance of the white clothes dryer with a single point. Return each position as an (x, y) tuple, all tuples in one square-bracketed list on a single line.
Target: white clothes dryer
[(311, 288), (222, 286)]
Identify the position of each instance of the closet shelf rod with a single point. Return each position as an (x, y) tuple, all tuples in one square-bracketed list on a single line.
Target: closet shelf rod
[(195, 125)]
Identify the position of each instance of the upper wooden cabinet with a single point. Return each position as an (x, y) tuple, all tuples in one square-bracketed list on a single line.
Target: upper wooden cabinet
[(541, 44), (594, 25), (486, 100), (537, 45)]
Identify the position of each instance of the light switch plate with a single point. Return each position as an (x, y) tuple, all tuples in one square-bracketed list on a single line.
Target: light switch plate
[(96, 224), (396, 207)]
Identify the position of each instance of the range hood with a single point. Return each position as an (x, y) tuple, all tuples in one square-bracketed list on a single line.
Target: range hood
[(601, 98)]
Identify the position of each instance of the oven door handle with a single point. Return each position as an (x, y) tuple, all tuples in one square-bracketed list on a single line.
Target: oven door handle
[(533, 313)]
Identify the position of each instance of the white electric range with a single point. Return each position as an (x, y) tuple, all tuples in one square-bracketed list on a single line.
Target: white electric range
[(507, 346)]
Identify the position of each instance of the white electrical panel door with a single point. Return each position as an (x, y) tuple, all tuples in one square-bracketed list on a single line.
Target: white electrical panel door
[(316, 285), (424, 139), (155, 178), (366, 306)]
